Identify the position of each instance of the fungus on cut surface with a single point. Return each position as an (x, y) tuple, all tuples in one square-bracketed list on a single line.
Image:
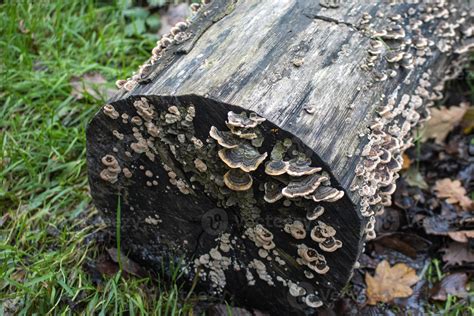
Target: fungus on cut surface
[(308, 254), (242, 120), (330, 244), (237, 180), (303, 186), (263, 237), (225, 139), (313, 214), (295, 229), (245, 157), (110, 111), (276, 167), (324, 193), (272, 192), (313, 301), (300, 167), (321, 231)]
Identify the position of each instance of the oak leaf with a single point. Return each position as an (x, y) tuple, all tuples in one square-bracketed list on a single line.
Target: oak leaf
[(389, 283), (442, 121), (453, 192)]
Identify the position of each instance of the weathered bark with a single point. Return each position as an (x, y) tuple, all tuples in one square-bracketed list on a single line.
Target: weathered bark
[(304, 69)]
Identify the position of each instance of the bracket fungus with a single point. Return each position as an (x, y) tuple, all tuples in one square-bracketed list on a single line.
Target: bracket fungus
[(303, 186), (244, 156), (237, 180)]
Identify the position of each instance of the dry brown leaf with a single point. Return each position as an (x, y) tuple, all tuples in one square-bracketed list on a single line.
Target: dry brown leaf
[(389, 283), (406, 162), (462, 235), (443, 121), (453, 192), (91, 83)]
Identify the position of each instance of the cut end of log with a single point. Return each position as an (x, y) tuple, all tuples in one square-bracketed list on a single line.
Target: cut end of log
[(242, 201)]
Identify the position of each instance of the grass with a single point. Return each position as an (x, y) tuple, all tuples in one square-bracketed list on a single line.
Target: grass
[(46, 235)]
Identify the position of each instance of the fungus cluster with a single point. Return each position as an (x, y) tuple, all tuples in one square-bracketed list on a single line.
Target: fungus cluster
[(178, 34), (112, 170), (404, 46), (239, 150), (310, 258)]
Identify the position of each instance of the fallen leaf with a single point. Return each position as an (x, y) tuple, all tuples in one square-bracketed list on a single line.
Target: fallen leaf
[(442, 121), (128, 265), (453, 284), (414, 178), (406, 162), (468, 121), (93, 84), (457, 253), (389, 283), (462, 235), (453, 192)]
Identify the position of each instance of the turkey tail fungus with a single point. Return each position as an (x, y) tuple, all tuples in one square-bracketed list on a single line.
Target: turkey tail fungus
[(266, 136)]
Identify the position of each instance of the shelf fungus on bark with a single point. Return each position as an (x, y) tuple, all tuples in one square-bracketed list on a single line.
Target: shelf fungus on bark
[(301, 167), (327, 194), (237, 180), (303, 186)]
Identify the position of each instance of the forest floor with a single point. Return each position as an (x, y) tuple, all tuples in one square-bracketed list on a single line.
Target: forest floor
[(58, 63)]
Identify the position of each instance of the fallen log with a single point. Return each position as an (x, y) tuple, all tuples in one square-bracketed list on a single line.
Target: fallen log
[(260, 140)]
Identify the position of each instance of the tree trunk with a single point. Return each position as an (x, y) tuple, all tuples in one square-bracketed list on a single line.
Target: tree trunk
[(257, 147)]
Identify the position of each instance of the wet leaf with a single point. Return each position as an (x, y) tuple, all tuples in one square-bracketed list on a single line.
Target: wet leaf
[(389, 283), (442, 121), (457, 254), (453, 284), (93, 84), (453, 192)]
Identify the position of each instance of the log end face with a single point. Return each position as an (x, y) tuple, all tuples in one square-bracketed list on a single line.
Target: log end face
[(246, 204)]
